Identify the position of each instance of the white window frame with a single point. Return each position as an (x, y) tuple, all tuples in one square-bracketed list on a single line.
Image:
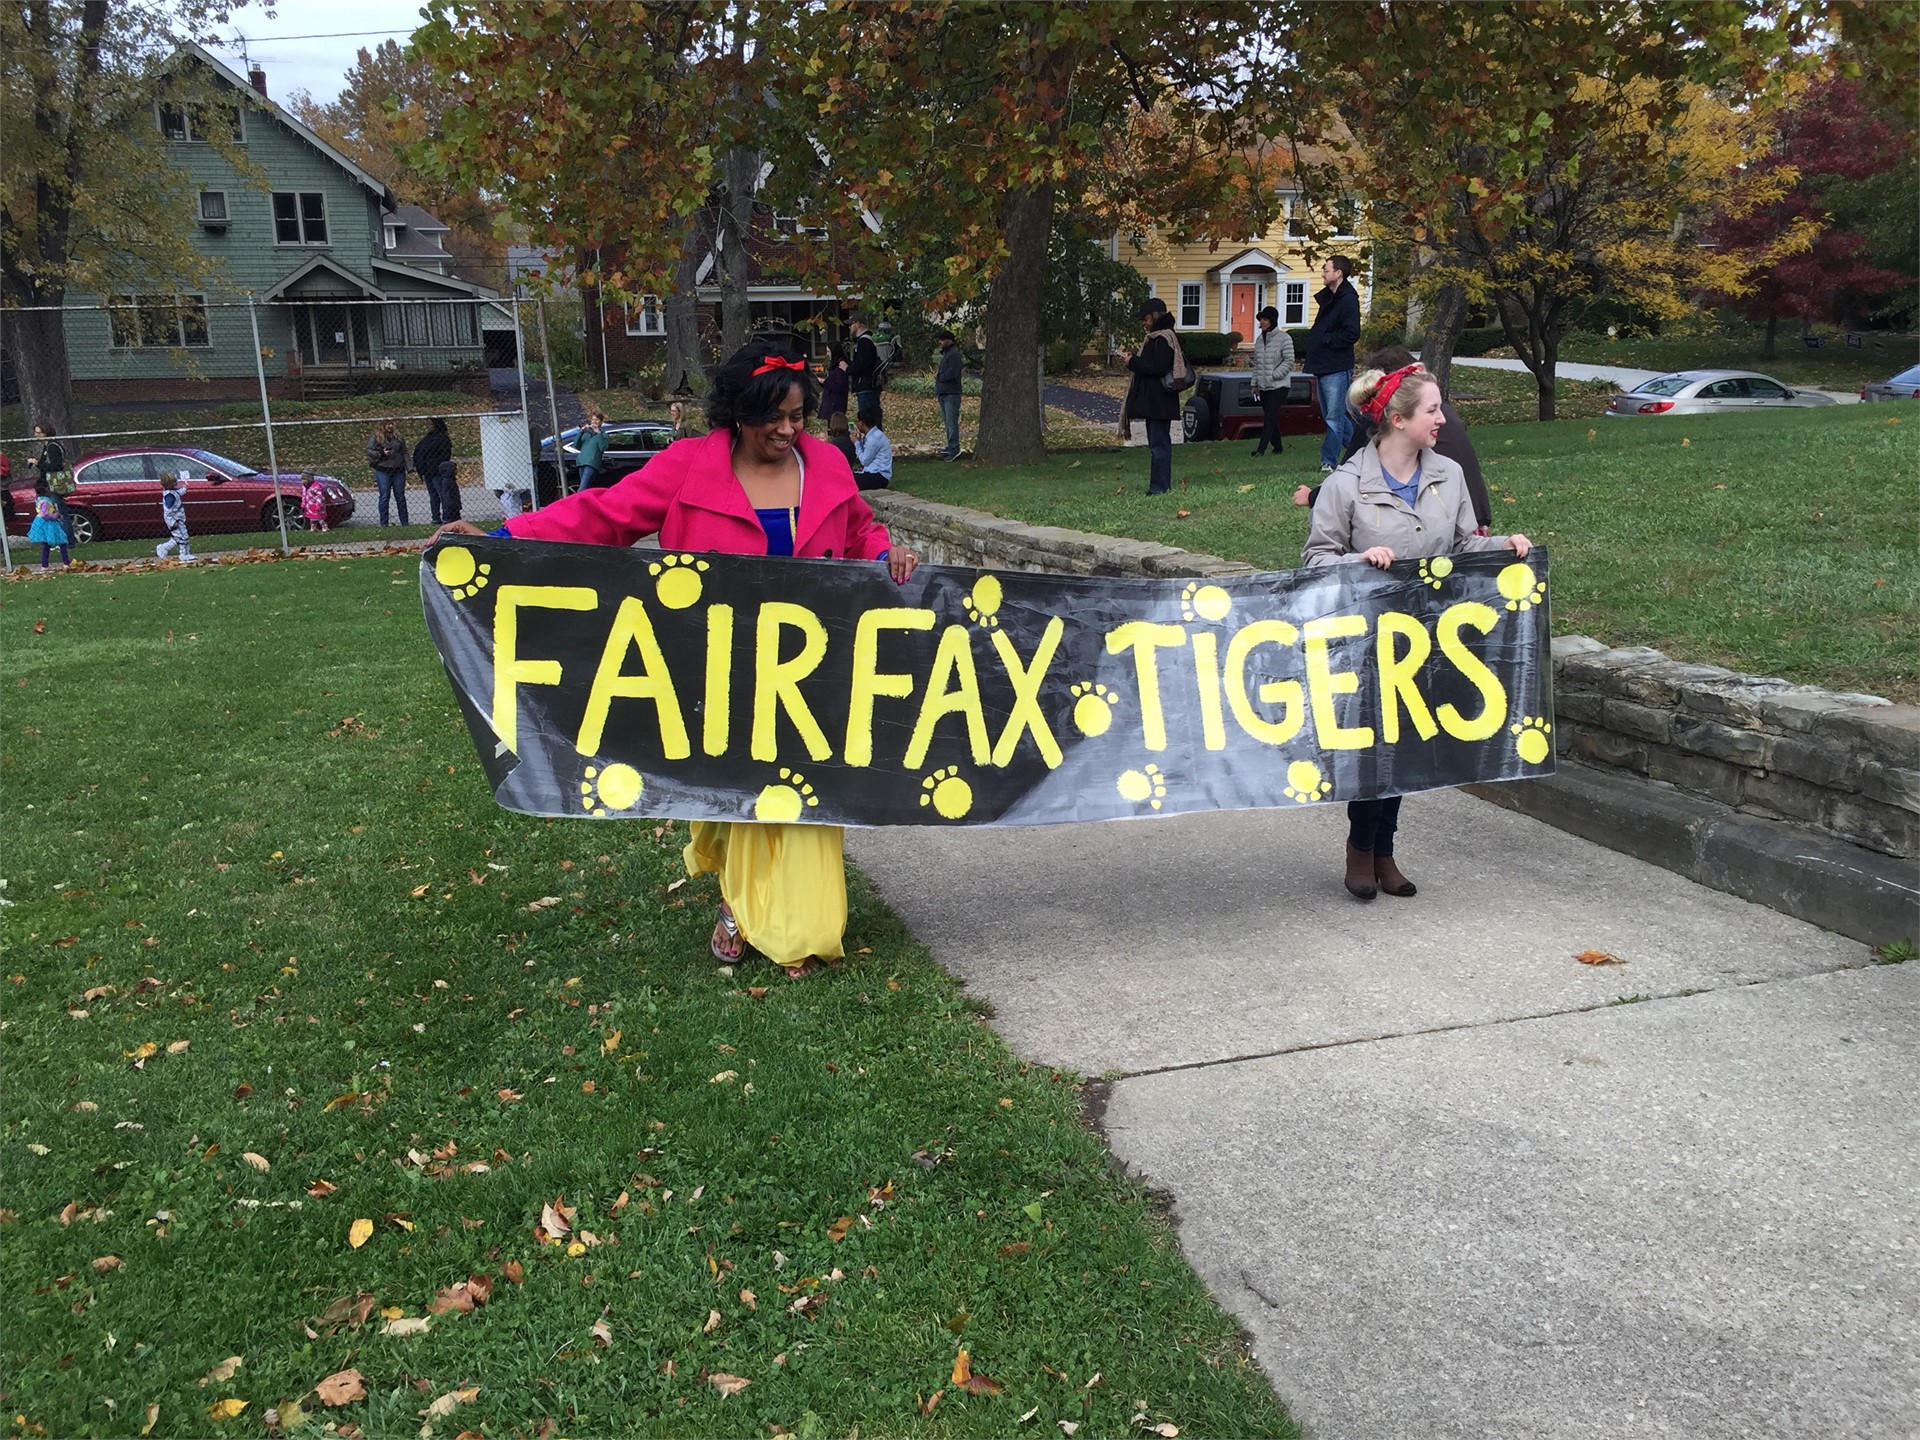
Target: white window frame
[(392, 237), (1199, 290), (300, 219), (187, 137), (134, 304), (1290, 318), (648, 316), (226, 211)]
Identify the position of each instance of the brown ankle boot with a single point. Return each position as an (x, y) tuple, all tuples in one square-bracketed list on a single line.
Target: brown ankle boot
[(1360, 881), (1389, 878)]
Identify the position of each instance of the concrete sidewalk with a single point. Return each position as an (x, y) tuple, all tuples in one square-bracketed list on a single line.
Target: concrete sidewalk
[(1449, 1183)]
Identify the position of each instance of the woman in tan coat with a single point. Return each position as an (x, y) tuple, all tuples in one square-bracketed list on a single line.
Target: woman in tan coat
[(1397, 499)]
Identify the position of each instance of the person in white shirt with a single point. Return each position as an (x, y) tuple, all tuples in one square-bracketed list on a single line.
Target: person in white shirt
[(870, 443)]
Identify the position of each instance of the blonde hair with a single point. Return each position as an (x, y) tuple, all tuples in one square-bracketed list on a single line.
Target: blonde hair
[(1405, 400)]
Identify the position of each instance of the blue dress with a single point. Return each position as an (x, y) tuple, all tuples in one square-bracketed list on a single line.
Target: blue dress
[(46, 528)]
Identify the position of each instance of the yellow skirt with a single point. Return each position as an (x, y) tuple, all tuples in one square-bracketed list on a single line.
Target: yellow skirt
[(786, 884)]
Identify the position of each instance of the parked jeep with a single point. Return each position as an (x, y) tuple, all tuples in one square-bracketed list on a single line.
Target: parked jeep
[(1222, 407)]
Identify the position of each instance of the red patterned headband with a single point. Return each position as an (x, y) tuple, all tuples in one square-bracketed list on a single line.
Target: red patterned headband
[(1375, 407), (774, 362)]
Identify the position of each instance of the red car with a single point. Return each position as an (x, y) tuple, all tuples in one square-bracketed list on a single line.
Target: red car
[(116, 495), (1222, 407)]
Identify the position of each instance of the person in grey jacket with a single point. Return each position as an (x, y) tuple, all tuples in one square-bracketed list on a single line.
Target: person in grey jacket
[(1398, 499), (1272, 373), (946, 389), (387, 455)]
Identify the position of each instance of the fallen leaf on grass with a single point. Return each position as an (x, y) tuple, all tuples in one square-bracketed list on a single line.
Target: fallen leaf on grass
[(256, 1160), (982, 1385), (837, 1232), (141, 1051), (1245, 488), (962, 1366), (340, 1102), (1182, 514), (747, 1299), (413, 1325), (925, 1406), (360, 1232), (727, 1384), (713, 1322), (320, 1189), (107, 1262), (1018, 1247), (1167, 1432), (153, 1416), (1598, 957), (514, 1271), (544, 902), (222, 1372), (1067, 1427), (226, 1409), (555, 1218), (444, 1405), (343, 1387), (178, 1046), (603, 1334), (508, 1096)]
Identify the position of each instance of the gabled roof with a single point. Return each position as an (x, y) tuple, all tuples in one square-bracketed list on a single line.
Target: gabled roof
[(1251, 256), (321, 264), (429, 277), (239, 82), (416, 217)]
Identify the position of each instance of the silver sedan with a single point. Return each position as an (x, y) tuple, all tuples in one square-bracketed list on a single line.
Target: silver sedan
[(1904, 386), (1711, 392)]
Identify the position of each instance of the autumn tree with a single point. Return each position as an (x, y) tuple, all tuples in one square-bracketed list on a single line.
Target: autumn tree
[(1833, 159), (390, 96), (89, 199)]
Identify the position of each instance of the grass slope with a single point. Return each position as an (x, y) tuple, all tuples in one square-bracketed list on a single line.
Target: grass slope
[(1778, 544), (374, 989)]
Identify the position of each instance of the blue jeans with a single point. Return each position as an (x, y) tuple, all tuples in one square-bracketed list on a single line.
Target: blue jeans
[(950, 416), (1159, 456), (1371, 824), (1333, 405), (393, 483), (862, 399)]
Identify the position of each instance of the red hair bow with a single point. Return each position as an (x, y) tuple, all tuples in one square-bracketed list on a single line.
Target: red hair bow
[(1375, 407), (774, 362)]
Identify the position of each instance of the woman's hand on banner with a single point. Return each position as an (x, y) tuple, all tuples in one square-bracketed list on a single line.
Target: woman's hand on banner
[(901, 565), (1520, 545), (1380, 556), (456, 527)]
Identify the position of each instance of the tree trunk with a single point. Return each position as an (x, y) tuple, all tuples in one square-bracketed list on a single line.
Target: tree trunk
[(37, 341), (1546, 377), (1012, 430), (1444, 324), (680, 312), (741, 173), (1773, 327)]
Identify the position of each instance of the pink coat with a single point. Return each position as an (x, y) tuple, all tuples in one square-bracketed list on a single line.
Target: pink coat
[(689, 494)]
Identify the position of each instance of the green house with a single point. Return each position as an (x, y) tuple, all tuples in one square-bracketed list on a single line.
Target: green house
[(348, 286)]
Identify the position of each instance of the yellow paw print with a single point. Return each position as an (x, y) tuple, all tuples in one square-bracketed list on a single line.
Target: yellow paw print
[(1436, 570), (1521, 587), (950, 796), (782, 804), (983, 602), (1305, 784), (1147, 784), (1093, 707), (1207, 602), (456, 569), (1531, 742), (616, 787), (679, 577)]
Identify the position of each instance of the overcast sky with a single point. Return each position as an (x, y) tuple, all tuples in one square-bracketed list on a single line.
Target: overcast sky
[(322, 39)]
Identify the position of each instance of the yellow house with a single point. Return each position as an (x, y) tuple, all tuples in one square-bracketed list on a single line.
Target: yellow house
[(1222, 285)]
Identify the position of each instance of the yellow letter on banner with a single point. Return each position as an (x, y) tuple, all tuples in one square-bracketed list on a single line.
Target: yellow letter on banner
[(1494, 713), (776, 682), (717, 723), (509, 670), (1280, 692), (953, 661), (1025, 714), (1144, 637), (631, 626), (870, 682), (1397, 676), (1323, 683)]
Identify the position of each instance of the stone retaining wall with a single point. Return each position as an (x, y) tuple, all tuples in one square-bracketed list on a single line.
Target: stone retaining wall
[(1845, 764)]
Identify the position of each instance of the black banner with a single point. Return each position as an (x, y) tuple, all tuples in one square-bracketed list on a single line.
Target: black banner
[(611, 682)]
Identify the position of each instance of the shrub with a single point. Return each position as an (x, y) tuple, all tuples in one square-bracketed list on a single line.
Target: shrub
[(1373, 337), (1208, 347), (1062, 356), (1479, 340)]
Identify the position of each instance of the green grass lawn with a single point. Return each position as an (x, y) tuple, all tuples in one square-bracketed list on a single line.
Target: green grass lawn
[(1777, 544), (278, 965)]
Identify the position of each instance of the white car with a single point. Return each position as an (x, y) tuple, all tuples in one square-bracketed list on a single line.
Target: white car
[(1904, 386), (1711, 392)]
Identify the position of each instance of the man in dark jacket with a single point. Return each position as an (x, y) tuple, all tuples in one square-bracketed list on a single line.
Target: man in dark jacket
[(863, 363), (1336, 326), (946, 389), (1148, 398)]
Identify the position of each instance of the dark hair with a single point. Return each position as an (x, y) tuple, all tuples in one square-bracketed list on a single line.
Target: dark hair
[(869, 415), (437, 425), (1342, 264), (1388, 358), (740, 397), (1161, 320), (836, 353)]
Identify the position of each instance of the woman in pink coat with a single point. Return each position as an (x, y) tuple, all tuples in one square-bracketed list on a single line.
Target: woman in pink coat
[(755, 484)]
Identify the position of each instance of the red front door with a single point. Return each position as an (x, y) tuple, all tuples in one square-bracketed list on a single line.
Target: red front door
[(1241, 307)]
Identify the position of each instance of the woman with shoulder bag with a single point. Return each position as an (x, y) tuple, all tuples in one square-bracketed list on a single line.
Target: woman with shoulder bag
[(1149, 398), (51, 466)]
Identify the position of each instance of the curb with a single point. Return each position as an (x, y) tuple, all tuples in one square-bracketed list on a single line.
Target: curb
[(1859, 893)]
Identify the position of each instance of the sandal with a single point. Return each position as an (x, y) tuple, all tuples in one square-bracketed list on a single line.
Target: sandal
[(730, 928)]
